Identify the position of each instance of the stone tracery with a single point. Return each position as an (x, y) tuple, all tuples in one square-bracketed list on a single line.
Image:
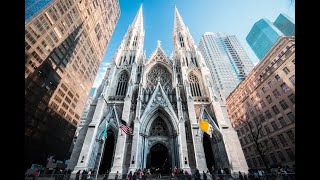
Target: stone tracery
[(159, 73)]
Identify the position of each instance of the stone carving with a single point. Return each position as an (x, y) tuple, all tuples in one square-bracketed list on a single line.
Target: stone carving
[(159, 128), (159, 100)]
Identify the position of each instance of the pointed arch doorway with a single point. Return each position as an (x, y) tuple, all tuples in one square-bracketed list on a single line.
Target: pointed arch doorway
[(108, 153), (159, 158)]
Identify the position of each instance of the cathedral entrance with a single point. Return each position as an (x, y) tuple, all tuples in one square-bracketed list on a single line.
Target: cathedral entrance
[(159, 159), (208, 151), (107, 159)]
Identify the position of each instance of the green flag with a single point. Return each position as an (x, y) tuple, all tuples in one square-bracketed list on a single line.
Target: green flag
[(104, 135)]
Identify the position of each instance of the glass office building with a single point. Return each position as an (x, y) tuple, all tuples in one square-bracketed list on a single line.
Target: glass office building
[(264, 33), (262, 36), (285, 24)]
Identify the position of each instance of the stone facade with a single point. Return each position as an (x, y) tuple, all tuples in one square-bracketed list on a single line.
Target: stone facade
[(162, 100), (266, 99)]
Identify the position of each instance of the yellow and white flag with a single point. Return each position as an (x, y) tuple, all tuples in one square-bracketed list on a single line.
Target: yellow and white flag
[(206, 127)]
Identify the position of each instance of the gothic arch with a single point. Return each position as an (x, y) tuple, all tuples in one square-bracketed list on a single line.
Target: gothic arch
[(122, 83), (168, 118), (158, 70), (195, 85)]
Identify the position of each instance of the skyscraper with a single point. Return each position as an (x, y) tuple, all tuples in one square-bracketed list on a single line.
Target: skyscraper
[(162, 99), (32, 7), (264, 34), (64, 46), (285, 24), (226, 59)]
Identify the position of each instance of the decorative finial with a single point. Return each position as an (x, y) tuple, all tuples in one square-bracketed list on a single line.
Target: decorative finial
[(158, 43)]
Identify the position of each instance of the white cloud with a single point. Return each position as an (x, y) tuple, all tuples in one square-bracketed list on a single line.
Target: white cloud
[(100, 75)]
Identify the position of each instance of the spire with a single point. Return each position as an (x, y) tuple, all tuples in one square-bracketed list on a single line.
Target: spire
[(178, 22), (138, 20)]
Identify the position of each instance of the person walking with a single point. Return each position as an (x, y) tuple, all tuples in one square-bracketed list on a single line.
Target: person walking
[(129, 176), (204, 176), (117, 175), (240, 176), (78, 175)]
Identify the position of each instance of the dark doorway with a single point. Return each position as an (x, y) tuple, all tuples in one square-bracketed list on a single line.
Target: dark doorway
[(208, 151), (108, 153), (159, 158)]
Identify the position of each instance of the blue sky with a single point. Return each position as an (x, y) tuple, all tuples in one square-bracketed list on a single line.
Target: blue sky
[(234, 17)]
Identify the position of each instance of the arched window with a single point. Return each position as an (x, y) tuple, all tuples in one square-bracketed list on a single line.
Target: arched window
[(122, 84), (194, 85)]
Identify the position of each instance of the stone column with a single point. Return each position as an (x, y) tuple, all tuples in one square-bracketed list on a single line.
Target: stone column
[(134, 150), (182, 140), (197, 140), (90, 136)]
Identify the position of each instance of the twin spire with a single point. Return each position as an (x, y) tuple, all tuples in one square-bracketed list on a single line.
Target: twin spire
[(177, 25)]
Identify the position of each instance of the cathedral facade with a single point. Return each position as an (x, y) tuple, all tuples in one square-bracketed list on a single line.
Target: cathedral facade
[(162, 99)]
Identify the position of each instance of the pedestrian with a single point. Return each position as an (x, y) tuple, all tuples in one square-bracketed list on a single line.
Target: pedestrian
[(204, 176), (129, 176), (78, 175), (240, 176), (197, 175), (117, 175)]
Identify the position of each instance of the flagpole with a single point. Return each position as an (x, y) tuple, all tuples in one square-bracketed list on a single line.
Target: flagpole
[(102, 152)]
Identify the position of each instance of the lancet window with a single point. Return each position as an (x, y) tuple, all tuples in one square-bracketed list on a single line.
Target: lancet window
[(122, 84), (194, 85)]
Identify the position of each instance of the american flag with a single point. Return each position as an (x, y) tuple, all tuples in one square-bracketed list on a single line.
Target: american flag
[(125, 128)]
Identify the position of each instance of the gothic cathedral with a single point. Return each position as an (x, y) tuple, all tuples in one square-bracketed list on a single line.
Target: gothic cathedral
[(162, 99)]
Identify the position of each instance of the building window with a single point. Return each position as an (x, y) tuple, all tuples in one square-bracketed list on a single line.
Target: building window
[(273, 158), (291, 136), (275, 109), (257, 108), (292, 79), (267, 129), (264, 90), (290, 154), (274, 142), (284, 87), (284, 105), (269, 99), (195, 86), (122, 84), (252, 99), (247, 103), (276, 93), (292, 98), (262, 119), (263, 105), (293, 61), (274, 125), (277, 77), (282, 140), (282, 122), (270, 84), (291, 117), (281, 156), (258, 95), (268, 114), (251, 112), (286, 70)]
